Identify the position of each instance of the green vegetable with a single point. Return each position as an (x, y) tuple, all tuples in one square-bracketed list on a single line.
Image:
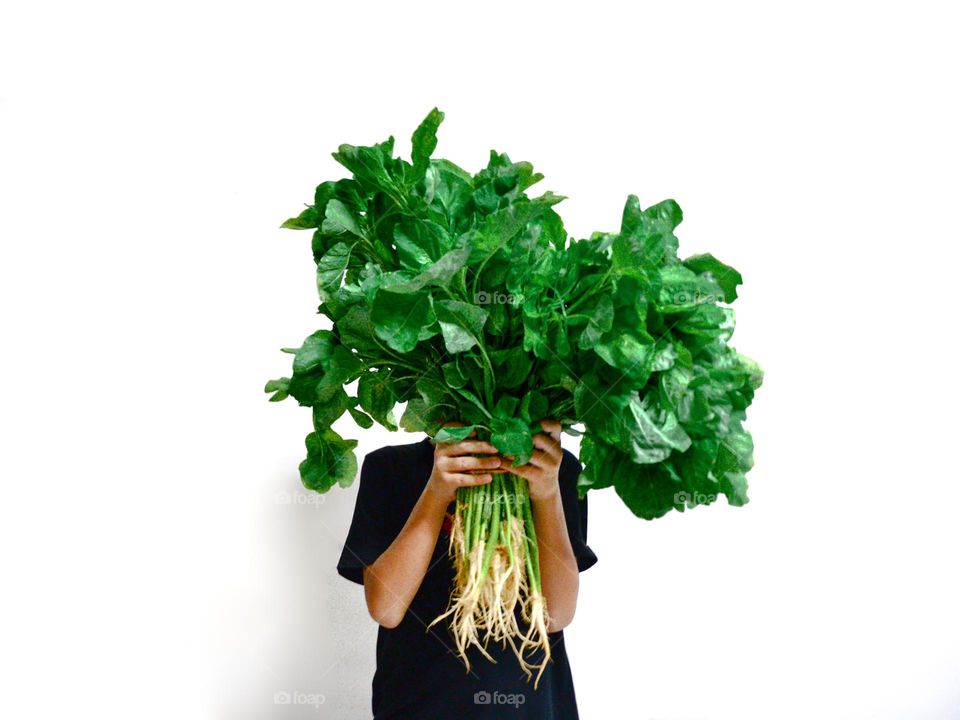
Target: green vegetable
[(463, 297)]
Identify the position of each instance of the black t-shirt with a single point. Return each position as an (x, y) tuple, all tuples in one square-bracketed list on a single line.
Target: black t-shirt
[(419, 676)]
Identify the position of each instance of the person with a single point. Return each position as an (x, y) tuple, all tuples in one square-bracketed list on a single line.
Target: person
[(397, 547)]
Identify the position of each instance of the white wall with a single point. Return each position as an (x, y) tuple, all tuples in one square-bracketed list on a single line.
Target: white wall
[(148, 154)]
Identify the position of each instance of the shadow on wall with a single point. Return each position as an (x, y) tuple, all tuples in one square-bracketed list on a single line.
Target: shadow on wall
[(295, 638)]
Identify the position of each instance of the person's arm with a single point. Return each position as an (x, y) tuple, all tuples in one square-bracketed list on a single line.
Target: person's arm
[(392, 581), (559, 574)]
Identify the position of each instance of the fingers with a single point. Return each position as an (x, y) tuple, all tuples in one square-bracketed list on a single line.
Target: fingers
[(467, 462), (527, 472), (537, 459), (552, 428), (465, 447), (545, 442), (548, 445), (465, 480), (540, 459)]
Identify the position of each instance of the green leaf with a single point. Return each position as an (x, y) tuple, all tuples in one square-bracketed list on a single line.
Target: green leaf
[(512, 367), (455, 338), (711, 322), (453, 434), (279, 387), (398, 318), (511, 436), (682, 290), (327, 412), (338, 219), (432, 389), (361, 418), (473, 415), (653, 435), (629, 355), (603, 409), (373, 167), (439, 273), (602, 464), (667, 213), (534, 407), (357, 331), (650, 491), (724, 275), (413, 250), (473, 400), (734, 459), (535, 331), (424, 143), (330, 461), (601, 321), (306, 220), (646, 238), (448, 190), (304, 387), (420, 242), (341, 368), (377, 397), (315, 350), (453, 375), (420, 416), (506, 407), (502, 227), (461, 324), (331, 267)]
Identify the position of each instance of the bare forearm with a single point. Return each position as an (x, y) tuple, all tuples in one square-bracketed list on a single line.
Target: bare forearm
[(558, 565), (392, 581)]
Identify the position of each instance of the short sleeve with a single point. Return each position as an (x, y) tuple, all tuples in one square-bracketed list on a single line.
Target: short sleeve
[(575, 511), (371, 529)]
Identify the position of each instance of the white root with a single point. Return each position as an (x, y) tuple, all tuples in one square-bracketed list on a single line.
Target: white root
[(484, 607)]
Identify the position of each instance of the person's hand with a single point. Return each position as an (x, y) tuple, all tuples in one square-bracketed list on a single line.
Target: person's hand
[(542, 472), (454, 466)]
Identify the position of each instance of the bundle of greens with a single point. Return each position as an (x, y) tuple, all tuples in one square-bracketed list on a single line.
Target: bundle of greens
[(463, 297)]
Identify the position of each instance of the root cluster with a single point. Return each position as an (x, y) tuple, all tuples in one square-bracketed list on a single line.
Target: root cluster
[(497, 576)]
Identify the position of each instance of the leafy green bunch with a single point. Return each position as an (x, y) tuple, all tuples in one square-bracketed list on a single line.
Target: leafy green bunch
[(464, 297)]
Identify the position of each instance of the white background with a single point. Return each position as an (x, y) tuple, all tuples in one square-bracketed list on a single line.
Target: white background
[(148, 154)]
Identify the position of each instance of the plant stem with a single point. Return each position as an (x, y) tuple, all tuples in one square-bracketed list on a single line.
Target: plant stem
[(465, 500), (533, 551), (494, 525)]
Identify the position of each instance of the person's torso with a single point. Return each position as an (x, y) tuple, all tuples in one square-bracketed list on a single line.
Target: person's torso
[(419, 674)]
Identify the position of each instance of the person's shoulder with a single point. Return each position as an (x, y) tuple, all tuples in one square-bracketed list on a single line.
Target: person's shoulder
[(570, 468), (570, 461), (395, 473), (399, 452)]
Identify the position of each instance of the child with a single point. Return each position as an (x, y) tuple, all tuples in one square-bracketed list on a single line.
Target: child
[(397, 547)]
